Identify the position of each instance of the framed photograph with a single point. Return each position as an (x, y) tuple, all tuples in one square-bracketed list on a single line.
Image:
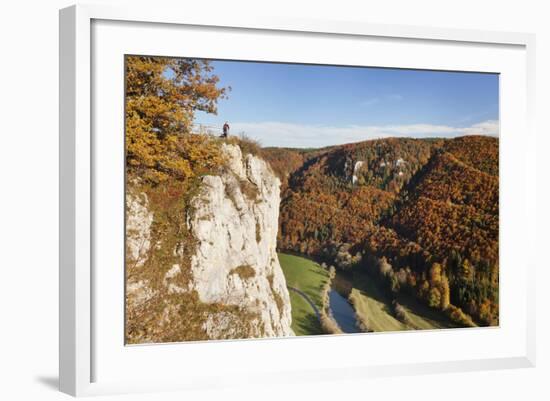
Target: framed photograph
[(278, 200)]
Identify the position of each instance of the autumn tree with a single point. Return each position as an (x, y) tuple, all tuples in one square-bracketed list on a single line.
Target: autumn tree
[(162, 96), (466, 271), (445, 293), (384, 266), (435, 275), (434, 297)]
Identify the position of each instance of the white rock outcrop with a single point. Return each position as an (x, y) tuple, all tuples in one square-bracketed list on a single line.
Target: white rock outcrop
[(138, 242), (138, 227), (356, 169), (235, 221)]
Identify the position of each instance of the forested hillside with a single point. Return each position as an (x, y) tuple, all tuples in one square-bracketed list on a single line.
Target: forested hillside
[(419, 215)]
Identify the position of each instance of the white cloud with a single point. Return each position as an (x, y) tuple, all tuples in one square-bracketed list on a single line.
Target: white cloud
[(370, 102), (375, 100), (489, 127), (273, 133), (395, 97)]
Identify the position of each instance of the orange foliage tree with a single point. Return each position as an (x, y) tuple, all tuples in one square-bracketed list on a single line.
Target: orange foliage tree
[(162, 96)]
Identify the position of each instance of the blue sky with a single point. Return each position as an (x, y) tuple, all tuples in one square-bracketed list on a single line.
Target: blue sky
[(311, 106)]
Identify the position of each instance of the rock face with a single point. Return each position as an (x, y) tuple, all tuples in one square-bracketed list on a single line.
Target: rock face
[(234, 267), (138, 243), (356, 168), (138, 228), (235, 221)]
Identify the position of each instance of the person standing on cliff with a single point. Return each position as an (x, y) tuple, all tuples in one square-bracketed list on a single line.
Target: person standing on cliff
[(225, 130)]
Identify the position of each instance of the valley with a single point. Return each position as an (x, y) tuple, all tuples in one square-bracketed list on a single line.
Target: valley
[(412, 224), (356, 302)]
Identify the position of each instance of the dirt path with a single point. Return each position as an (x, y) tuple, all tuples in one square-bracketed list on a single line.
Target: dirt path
[(308, 300)]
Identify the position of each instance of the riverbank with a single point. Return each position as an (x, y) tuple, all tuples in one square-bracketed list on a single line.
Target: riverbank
[(317, 308), (306, 279)]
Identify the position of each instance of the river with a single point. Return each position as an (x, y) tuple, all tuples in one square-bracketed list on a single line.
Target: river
[(340, 308)]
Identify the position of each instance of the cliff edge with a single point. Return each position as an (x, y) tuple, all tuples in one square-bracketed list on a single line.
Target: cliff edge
[(222, 278)]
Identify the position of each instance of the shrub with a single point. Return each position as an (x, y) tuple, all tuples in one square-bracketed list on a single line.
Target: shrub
[(249, 189), (329, 325), (399, 311), (384, 267), (458, 316), (248, 145), (244, 271)]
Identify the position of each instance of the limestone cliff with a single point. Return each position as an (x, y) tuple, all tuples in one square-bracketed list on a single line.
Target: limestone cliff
[(226, 282)]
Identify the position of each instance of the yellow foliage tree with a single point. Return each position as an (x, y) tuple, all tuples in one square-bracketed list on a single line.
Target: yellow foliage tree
[(440, 283), (434, 298), (435, 274), (445, 292), (162, 96)]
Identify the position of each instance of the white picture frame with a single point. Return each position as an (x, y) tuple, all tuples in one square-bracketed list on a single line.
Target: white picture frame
[(79, 344)]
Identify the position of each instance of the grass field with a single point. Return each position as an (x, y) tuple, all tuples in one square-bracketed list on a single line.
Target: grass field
[(309, 277), (374, 307)]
